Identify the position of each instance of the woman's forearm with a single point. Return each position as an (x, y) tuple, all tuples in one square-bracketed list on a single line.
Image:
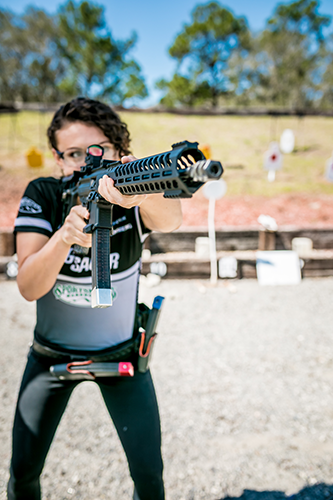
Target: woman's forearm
[(39, 270), (161, 214), (41, 258)]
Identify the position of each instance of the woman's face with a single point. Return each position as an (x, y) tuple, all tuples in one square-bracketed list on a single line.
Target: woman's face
[(73, 139)]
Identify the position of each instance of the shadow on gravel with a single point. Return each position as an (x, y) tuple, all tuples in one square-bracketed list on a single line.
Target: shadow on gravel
[(318, 492)]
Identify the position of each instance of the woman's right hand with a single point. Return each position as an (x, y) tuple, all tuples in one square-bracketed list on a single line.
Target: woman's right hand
[(40, 258), (72, 229)]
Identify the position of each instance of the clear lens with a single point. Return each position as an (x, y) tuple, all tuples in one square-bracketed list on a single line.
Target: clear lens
[(110, 152), (75, 157)]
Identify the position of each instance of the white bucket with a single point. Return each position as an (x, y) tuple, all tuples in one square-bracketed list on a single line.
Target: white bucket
[(202, 246), (302, 246)]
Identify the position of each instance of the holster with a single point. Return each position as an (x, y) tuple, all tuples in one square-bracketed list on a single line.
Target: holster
[(148, 335), (116, 361)]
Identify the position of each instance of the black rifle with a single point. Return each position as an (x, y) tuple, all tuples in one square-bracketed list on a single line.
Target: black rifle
[(177, 173)]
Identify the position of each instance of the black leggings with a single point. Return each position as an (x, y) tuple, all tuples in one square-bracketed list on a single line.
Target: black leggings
[(42, 400)]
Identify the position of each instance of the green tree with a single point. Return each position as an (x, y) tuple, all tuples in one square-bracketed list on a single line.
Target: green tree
[(9, 58), (184, 91), (326, 87), (97, 65), (29, 66), (44, 67), (52, 58), (203, 51), (290, 62)]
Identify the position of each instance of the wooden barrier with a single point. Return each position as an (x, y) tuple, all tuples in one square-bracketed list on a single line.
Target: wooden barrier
[(186, 265), (228, 239), (176, 250), (234, 239)]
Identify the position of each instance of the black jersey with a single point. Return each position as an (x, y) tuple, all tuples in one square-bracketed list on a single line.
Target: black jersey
[(64, 315)]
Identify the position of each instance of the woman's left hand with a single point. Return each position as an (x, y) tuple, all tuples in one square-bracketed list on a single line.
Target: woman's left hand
[(113, 195)]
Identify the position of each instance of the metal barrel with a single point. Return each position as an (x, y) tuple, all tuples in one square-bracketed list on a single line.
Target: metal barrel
[(204, 170)]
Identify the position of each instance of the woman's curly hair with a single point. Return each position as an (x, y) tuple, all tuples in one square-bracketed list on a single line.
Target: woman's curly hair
[(95, 113)]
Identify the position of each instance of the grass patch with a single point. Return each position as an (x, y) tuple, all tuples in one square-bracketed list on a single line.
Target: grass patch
[(238, 142)]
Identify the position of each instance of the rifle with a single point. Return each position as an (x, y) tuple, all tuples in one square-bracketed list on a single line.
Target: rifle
[(178, 173)]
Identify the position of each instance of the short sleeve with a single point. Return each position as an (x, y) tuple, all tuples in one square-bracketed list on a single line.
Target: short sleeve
[(38, 210)]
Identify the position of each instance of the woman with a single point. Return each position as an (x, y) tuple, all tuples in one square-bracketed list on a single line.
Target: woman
[(60, 282)]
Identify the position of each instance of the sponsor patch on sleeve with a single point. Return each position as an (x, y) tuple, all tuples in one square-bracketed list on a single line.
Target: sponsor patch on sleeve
[(29, 206)]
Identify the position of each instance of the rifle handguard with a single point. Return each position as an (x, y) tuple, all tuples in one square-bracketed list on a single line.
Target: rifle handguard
[(178, 173)]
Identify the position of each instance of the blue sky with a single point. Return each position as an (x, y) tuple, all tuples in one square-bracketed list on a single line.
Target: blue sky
[(157, 23)]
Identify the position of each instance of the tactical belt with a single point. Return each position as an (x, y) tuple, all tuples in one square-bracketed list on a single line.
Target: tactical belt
[(125, 350), (89, 365)]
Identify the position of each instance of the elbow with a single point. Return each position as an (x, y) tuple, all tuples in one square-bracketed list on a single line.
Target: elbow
[(25, 291), (29, 299), (172, 225), (26, 288), (27, 296), (175, 219), (31, 293), (177, 222)]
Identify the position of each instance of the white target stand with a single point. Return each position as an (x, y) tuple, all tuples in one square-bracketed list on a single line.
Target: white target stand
[(287, 141), (329, 169), (272, 160), (213, 190)]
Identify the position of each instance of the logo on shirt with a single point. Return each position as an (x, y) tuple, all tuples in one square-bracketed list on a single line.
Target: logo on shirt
[(83, 264), (29, 206), (76, 295)]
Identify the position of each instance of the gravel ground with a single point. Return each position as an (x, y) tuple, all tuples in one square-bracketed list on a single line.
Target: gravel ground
[(243, 375)]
